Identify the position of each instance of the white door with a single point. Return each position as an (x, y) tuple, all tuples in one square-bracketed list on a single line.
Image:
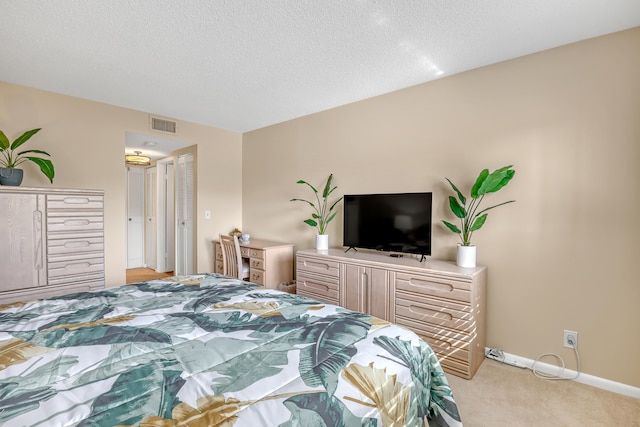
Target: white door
[(166, 216), (151, 223), (184, 215), (135, 217)]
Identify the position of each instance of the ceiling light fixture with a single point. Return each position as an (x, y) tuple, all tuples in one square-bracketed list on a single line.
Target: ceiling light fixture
[(137, 159)]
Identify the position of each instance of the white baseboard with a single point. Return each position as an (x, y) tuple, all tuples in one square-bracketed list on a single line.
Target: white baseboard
[(583, 378)]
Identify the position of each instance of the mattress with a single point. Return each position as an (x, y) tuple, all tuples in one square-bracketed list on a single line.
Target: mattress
[(209, 350)]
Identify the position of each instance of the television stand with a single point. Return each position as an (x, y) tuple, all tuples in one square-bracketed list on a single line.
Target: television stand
[(441, 302), (351, 247)]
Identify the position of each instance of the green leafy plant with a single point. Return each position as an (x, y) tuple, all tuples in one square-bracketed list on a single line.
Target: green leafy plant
[(11, 159), (321, 215), (471, 218)]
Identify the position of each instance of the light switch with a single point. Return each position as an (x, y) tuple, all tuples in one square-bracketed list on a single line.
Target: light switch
[(207, 214)]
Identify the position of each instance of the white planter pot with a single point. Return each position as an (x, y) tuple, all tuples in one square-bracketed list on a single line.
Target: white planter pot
[(466, 256), (322, 242)]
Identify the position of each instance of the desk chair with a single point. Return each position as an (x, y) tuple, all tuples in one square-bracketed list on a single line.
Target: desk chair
[(232, 263)]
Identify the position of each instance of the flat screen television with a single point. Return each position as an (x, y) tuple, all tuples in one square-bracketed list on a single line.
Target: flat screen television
[(394, 222)]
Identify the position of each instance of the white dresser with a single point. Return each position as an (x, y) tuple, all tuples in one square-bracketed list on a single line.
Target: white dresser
[(51, 242)]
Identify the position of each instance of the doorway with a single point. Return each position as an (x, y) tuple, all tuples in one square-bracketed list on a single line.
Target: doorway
[(166, 243)]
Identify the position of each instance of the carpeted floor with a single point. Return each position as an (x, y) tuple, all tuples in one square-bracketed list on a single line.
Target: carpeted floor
[(502, 395)]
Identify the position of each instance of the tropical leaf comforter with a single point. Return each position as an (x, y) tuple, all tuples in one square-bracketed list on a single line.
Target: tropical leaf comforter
[(207, 350)]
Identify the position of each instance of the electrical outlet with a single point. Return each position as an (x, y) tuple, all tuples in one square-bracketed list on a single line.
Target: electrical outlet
[(570, 339)]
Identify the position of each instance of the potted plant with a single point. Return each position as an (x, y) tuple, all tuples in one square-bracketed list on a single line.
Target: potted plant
[(323, 213), (10, 159), (471, 217)]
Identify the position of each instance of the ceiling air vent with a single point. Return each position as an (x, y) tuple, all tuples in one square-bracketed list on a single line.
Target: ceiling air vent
[(164, 125)]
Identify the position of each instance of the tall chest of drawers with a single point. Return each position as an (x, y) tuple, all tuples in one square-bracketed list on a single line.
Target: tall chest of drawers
[(53, 242), (444, 304)]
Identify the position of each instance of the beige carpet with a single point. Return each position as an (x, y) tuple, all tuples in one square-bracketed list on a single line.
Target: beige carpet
[(502, 395)]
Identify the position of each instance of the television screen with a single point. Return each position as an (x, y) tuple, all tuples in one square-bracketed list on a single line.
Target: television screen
[(398, 222)]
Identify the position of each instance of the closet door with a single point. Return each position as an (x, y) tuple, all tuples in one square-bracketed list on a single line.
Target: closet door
[(151, 223), (184, 215), (135, 217), (166, 216)]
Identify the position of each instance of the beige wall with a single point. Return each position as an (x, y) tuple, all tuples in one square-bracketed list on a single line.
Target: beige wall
[(86, 141), (564, 255)]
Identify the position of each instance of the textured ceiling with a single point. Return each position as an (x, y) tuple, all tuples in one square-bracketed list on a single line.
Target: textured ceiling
[(245, 64)]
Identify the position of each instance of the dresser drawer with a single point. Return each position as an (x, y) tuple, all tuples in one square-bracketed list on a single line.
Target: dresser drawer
[(256, 263), (256, 253), (219, 267), (88, 243), (436, 286), (82, 222), (318, 266), (446, 344), (73, 265), (256, 276), (321, 288), (434, 311), (62, 201)]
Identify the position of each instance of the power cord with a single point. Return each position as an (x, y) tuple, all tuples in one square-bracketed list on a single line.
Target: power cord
[(498, 355), (561, 366)]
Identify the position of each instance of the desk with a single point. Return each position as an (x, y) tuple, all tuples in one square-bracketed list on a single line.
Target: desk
[(270, 263)]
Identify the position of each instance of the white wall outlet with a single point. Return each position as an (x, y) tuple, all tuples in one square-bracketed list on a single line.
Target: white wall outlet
[(570, 339), (207, 214)]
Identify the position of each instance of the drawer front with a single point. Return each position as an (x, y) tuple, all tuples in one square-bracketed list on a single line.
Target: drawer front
[(65, 223), (446, 346), (434, 312), (435, 286), (318, 266), (256, 263), (67, 201), (256, 253), (321, 288), (75, 265), (321, 298), (76, 245), (219, 267), (244, 252), (256, 276)]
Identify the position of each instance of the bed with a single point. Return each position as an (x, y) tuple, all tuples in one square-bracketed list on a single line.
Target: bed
[(209, 350)]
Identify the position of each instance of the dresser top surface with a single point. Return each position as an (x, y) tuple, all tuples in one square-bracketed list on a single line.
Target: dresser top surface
[(384, 259), (47, 190)]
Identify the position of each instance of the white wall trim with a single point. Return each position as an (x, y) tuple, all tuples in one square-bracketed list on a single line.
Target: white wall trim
[(545, 368)]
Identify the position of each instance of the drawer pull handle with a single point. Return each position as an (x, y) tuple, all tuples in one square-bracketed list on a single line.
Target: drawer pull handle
[(438, 287), (318, 265), (77, 244), (76, 222), (77, 265), (76, 200), (431, 313), (317, 286)]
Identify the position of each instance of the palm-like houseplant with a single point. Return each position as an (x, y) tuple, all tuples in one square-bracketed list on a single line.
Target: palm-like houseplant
[(10, 159), (323, 212), (470, 215)]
